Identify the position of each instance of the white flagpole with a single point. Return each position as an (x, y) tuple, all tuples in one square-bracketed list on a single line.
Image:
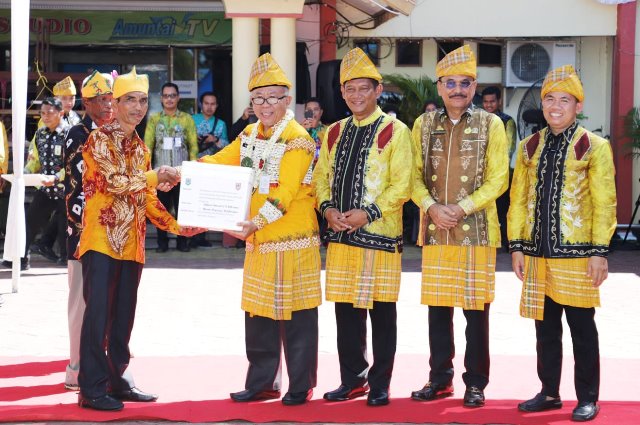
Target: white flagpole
[(14, 243)]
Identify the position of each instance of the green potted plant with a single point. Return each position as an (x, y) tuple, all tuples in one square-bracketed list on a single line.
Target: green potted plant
[(632, 131), (414, 92)]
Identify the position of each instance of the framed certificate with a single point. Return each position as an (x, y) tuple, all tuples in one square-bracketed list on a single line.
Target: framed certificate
[(214, 196)]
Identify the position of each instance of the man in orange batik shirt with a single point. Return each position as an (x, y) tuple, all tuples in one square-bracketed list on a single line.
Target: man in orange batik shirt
[(119, 189)]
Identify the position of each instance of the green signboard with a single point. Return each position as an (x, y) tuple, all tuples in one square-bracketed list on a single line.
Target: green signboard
[(124, 28)]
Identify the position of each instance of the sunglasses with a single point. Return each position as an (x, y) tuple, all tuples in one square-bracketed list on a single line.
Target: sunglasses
[(451, 84)]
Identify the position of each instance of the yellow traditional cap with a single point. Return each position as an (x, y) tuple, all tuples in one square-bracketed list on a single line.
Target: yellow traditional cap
[(127, 83), (356, 64), (97, 84), (65, 87), (564, 79), (266, 72), (461, 61)]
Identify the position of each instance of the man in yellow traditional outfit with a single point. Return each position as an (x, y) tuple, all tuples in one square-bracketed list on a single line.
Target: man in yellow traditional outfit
[(561, 219), (281, 289), (96, 98), (362, 180), (65, 90), (119, 191), (462, 166)]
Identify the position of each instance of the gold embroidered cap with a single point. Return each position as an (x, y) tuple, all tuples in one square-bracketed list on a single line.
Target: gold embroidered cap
[(564, 79), (356, 64), (266, 72), (97, 84), (65, 87), (461, 61), (130, 82)]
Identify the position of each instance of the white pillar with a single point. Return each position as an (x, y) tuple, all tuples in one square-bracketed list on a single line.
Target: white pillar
[(244, 51), (283, 48)]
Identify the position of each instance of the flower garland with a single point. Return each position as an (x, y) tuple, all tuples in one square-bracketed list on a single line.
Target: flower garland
[(278, 128)]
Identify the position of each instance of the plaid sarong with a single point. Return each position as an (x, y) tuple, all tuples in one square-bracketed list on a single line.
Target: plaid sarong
[(279, 282), (360, 276), (458, 276), (564, 280)]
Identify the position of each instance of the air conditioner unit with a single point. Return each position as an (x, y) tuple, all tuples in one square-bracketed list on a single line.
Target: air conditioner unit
[(528, 61)]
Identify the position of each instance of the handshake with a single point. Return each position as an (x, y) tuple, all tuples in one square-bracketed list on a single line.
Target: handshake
[(168, 177)]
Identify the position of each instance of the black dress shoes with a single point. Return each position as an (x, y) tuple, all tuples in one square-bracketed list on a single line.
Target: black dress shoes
[(432, 391), (25, 264), (183, 248), (346, 392), (540, 403), (134, 394), (473, 397), (293, 399), (160, 249), (378, 397), (251, 395), (585, 411), (105, 402), (45, 251)]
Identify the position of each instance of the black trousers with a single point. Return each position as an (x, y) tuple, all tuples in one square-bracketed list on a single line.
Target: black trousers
[(170, 200), (352, 344), (586, 350), (266, 338), (110, 289), (442, 348), (50, 233), (38, 215)]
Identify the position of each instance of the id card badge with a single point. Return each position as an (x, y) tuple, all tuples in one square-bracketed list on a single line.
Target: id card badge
[(263, 187), (167, 143), (57, 150), (177, 142)]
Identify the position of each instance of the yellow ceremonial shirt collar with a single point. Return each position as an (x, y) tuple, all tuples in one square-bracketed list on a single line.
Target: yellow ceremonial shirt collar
[(371, 118)]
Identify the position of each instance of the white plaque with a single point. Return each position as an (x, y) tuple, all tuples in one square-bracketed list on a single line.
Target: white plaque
[(214, 196)]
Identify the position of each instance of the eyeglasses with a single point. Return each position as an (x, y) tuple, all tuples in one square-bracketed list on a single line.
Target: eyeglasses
[(169, 95), (451, 84), (271, 100)]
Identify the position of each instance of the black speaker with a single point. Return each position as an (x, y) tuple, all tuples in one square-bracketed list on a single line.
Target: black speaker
[(328, 91)]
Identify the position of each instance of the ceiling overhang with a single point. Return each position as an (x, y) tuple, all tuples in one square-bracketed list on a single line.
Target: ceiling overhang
[(374, 8)]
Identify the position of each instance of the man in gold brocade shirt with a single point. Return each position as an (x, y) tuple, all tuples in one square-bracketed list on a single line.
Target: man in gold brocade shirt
[(281, 282), (119, 188), (362, 180), (462, 167), (561, 219)]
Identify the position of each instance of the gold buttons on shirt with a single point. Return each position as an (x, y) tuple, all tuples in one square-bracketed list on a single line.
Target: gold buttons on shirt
[(434, 178), (464, 178), (466, 227), (432, 226)]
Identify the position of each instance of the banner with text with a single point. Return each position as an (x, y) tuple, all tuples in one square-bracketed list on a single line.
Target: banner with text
[(124, 28)]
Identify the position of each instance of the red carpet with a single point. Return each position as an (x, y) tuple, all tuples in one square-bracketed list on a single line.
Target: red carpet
[(196, 389)]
